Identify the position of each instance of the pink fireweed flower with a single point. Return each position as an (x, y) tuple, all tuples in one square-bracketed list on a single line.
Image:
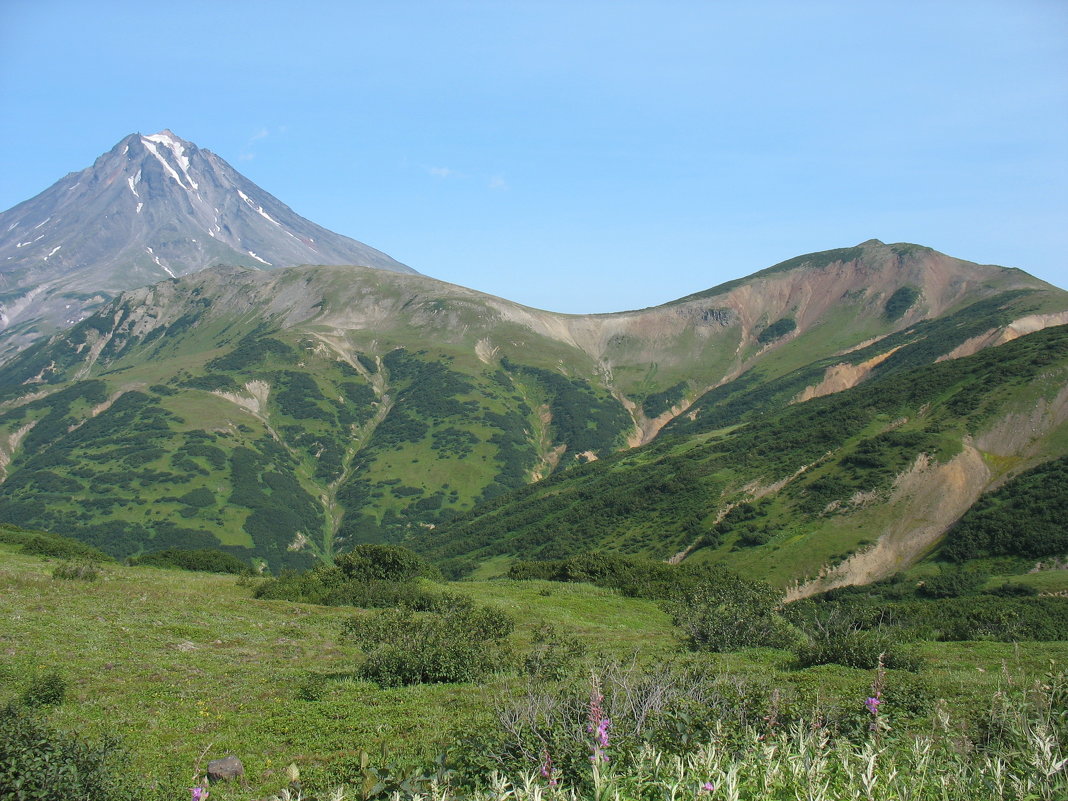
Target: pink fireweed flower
[(547, 771), (873, 704), (707, 787), (597, 724)]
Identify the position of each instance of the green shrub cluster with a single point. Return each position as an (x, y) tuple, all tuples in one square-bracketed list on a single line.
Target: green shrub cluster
[(856, 648), (456, 641), (56, 547), (902, 608), (1026, 517), (725, 612), (777, 330), (369, 576), (553, 654), (634, 576), (900, 302), (581, 418), (40, 763), (77, 571), (656, 403), (207, 560)]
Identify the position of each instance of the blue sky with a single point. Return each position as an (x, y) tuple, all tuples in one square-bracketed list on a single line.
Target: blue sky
[(579, 156)]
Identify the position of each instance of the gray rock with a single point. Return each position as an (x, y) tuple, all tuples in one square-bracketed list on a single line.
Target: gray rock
[(225, 769)]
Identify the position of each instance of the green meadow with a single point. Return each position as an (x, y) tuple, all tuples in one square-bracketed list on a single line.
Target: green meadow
[(184, 667)]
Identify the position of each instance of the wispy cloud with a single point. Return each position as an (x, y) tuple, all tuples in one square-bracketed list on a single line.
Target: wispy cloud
[(493, 182), (248, 152)]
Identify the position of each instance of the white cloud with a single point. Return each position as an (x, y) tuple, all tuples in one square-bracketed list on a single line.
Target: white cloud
[(247, 153), (497, 182), (443, 172)]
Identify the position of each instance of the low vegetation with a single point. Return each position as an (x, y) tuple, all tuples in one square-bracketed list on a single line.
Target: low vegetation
[(466, 691)]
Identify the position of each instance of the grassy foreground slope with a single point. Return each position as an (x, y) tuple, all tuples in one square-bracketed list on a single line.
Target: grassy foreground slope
[(176, 662), (185, 667)]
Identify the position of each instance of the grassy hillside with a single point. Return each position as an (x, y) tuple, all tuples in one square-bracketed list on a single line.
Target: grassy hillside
[(796, 489), (288, 416)]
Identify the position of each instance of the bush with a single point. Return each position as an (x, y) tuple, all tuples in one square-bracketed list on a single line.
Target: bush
[(458, 642), (384, 562), (857, 649), (206, 560), (725, 612), (47, 690), (952, 583), (633, 576), (553, 655), (56, 547), (83, 571), (38, 763), (369, 576)]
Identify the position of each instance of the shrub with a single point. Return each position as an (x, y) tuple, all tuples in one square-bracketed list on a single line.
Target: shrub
[(38, 763), (857, 649), (952, 583), (777, 330), (725, 612), (369, 576), (206, 560), (457, 642), (56, 547), (633, 576), (384, 562), (49, 689), (83, 571), (553, 655)]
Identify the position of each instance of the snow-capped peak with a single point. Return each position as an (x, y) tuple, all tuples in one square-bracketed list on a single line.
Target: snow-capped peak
[(177, 147)]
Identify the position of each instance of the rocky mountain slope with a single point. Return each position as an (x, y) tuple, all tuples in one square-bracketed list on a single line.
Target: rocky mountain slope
[(290, 414), (152, 207)]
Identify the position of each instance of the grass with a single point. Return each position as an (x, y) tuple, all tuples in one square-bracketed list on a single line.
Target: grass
[(179, 664)]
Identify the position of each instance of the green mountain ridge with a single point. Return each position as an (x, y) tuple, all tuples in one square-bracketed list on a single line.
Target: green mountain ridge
[(289, 415), (847, 488)]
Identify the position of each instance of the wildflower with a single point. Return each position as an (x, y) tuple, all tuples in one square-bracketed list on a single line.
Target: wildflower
[(547, 771), (199, 793), (873, 704), (597, 724), (707, 787)]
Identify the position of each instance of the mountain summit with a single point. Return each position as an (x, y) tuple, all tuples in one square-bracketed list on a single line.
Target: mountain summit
[(153, 207)]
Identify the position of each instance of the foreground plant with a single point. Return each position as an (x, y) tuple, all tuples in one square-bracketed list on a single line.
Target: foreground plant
[(1022, 755)]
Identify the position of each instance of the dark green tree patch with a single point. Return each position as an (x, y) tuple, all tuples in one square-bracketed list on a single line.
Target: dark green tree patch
[(207, 560), (900, 302), (298, 395), (657, 403), (252, 351), (581, 418), (200, 497), (1026, 517), (777, 330)]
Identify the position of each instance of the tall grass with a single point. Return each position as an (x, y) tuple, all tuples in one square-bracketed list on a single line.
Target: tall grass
[(1018, 752)]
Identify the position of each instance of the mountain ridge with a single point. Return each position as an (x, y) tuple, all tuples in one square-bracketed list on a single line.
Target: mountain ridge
[(152, 207), (288, 415)]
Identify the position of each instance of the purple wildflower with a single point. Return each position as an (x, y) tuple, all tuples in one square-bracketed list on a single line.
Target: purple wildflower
[(199, 793), (547, 771), (708, 787), (873, 704), (598, 724)]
